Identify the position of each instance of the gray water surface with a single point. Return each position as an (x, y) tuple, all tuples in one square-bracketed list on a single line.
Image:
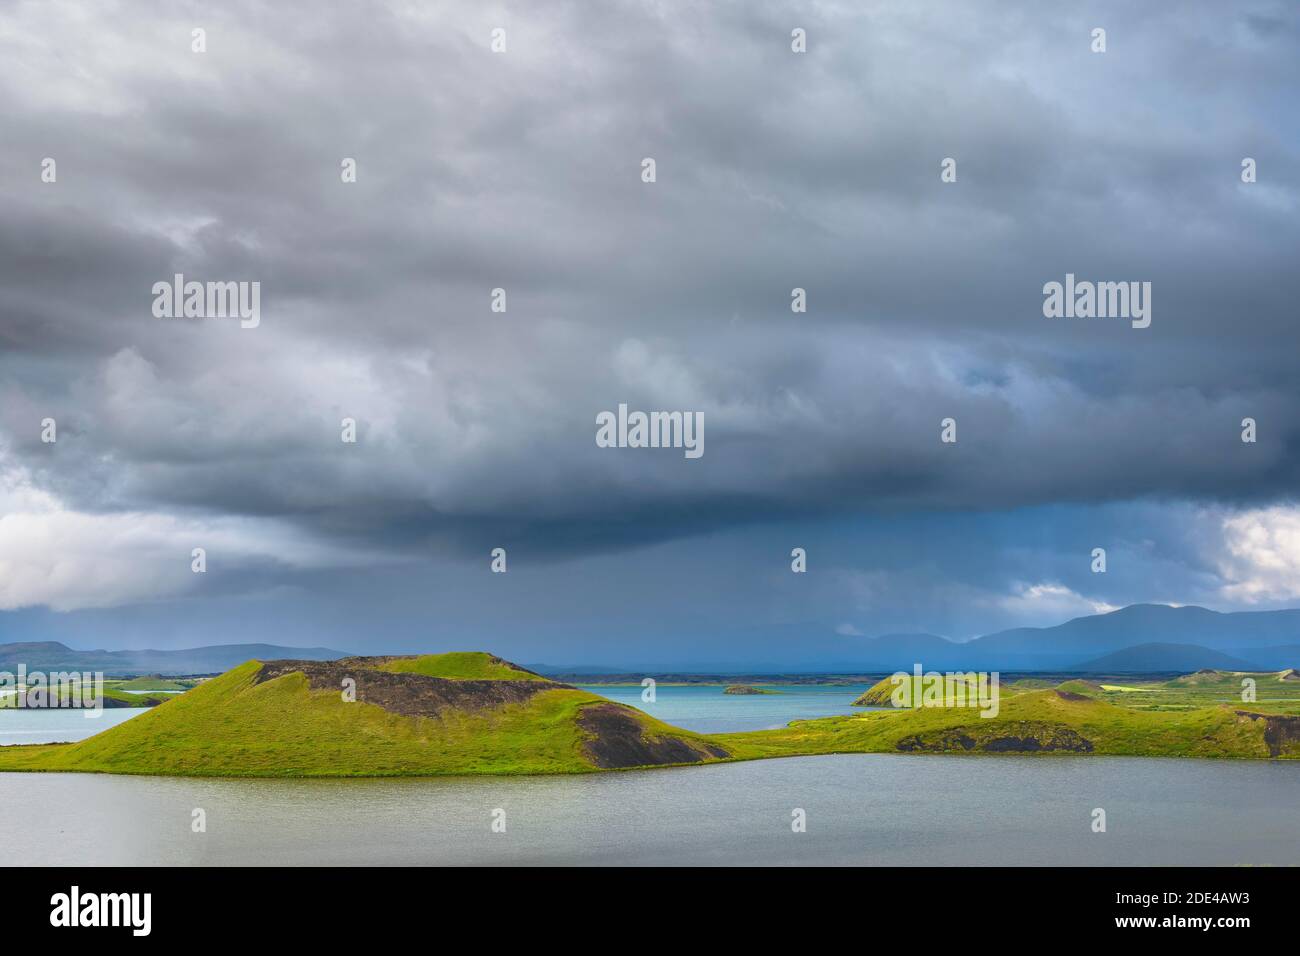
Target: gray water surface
[(872, 809), (58, 725)]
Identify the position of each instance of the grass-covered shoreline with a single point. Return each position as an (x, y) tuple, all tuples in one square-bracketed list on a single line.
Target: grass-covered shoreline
[(473, 714)]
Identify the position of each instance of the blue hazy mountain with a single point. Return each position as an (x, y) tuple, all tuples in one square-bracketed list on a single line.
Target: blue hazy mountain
[(1146, 658), (53, 656), (1262, 639)]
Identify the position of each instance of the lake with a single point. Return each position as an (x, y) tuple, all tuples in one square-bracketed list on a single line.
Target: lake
[(873, 809), (707, 710), (870, 809), (20, 725)]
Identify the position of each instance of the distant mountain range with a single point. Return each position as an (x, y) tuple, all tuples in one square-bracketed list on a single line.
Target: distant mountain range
[(53, 656), (1140, 637)]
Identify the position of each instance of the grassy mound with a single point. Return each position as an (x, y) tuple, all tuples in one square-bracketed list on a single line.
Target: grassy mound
[(1084, 688), (1035, 722), (1206, 677), (290, 719), (955, 684), (879, 694)]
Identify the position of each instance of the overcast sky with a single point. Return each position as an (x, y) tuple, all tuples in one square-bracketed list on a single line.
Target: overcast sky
[(522, 170)]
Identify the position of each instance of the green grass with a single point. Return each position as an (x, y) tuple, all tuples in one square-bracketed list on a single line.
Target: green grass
[(881, 693), (1190, 692), (459, 665), (234, 726), (231, 726), (1194, 691), (153, 683), (136, 700), (1214, 731)]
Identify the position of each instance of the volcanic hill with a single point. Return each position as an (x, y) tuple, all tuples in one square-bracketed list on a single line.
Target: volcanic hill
[(457, 713)]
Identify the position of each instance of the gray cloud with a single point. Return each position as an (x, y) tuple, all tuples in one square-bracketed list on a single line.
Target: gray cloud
[(522, 171)]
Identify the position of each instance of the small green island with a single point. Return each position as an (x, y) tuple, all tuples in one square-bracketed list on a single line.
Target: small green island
[(474, 713), (747, 689)]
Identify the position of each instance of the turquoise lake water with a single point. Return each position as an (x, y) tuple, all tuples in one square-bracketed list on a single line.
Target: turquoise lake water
[(707, 710)]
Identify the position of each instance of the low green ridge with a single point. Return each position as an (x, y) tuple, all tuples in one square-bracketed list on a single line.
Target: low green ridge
[(153, 682), (111, 695), (1025, 724)]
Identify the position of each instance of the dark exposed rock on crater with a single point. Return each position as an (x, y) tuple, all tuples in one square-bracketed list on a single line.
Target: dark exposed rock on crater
[(1071, 695), (1281, 732), (380, 660), (617, 740), (414, 695), (1025, 737)]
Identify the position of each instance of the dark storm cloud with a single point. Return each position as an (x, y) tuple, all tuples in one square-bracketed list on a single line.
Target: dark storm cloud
[(522, 171)]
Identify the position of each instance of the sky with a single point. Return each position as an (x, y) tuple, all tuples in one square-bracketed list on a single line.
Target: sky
[(522, 169)]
